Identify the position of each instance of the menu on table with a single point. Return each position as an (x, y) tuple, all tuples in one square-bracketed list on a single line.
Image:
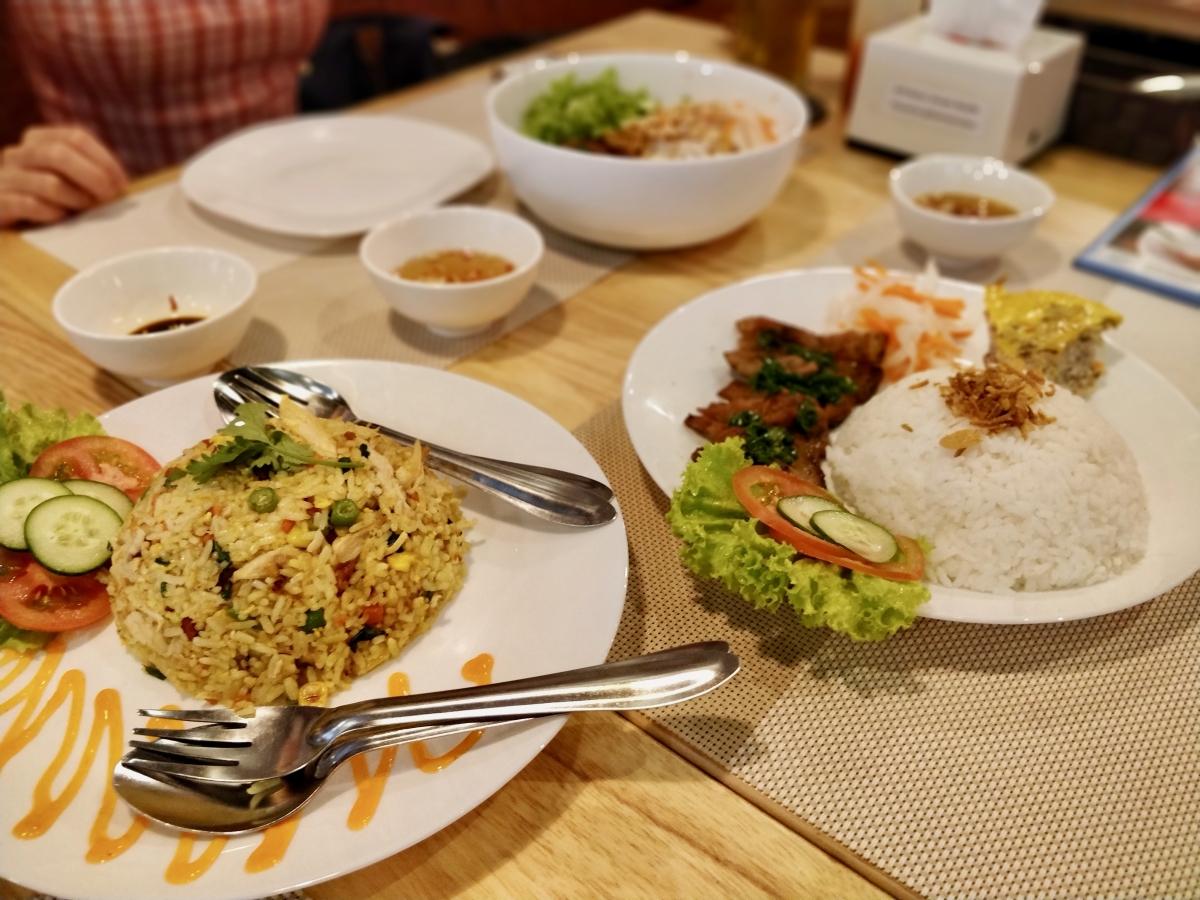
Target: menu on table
[(1155, 244)]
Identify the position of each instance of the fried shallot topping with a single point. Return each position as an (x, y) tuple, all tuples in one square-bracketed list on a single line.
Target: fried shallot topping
[(992, 399)]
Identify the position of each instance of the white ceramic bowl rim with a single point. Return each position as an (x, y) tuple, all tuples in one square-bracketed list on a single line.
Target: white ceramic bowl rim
[(96, 268), (897, 174), (457, 211), (615, 59)]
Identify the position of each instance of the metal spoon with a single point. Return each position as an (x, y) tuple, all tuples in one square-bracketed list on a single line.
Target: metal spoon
[(232, 807), (551, 494)]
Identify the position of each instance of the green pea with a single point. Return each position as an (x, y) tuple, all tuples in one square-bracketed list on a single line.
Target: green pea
[(263, 500), (343, 513)]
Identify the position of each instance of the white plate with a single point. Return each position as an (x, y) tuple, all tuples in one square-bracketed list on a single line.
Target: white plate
[(537, 597), (331, 176), (678, 367)]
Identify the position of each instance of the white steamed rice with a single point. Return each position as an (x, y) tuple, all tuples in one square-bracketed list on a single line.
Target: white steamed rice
[(1062, 507)]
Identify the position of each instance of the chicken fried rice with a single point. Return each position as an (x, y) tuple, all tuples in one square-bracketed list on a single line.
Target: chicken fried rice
[(254, 585)]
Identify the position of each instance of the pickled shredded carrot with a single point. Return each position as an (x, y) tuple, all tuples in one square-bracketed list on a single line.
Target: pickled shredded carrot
[(949, 307), (922, 329), (897, 370)]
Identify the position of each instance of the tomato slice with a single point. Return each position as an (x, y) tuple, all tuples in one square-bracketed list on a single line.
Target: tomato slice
[(33, 598), (760, 488), (125, 466)]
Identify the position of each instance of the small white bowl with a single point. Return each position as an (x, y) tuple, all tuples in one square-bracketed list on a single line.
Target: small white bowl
[(647, 204), (453, 310), (963, 240), (101, 305)]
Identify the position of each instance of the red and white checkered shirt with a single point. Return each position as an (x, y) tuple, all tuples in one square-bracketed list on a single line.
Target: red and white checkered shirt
[(156, 80)]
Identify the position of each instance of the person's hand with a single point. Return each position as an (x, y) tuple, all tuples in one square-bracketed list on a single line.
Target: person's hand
[(54, 171)]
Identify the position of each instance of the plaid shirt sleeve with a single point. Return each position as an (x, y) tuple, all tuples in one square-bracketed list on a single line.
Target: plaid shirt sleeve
[(159, 81)]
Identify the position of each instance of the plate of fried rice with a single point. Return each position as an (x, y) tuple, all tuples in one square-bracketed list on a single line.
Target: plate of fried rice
[(215, 596)]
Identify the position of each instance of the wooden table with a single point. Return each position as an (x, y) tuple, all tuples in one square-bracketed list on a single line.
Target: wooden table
[(606, 809)]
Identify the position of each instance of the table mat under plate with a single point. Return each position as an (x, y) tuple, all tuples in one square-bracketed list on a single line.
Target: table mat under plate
[(951, 760)]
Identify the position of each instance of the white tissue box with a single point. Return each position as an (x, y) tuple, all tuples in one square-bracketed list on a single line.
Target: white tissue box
[(919, 92)]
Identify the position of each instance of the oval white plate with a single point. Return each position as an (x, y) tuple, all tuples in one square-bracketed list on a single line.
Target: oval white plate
[(537, 597), (332, 176), (678, 367)]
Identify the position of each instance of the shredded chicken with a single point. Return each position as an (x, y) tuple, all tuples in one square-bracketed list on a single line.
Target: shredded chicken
[(265, 565), (301, 425), (995, 398), (348, 547), (386, 474), (689, 130)]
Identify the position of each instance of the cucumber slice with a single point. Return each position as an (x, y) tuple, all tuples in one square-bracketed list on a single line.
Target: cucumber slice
[(799, 510), (110, 496), (872, 542), (17, 498), (71, 534)]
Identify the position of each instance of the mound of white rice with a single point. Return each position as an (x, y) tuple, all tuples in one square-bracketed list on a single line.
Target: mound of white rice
[(1062, 507)]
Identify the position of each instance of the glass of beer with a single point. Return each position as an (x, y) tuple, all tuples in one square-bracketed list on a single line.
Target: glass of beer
[(777, 36)]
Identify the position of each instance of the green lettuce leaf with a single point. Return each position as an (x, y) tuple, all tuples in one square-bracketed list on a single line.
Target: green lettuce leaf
[(16, 638), (720, 541), (573, 112), (26, 431)]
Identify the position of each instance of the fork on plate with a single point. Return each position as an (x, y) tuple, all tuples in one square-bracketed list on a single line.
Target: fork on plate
[(224, 747)]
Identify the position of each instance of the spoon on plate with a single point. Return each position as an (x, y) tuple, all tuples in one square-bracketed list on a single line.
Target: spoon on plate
[(551, 494), (189, 778)]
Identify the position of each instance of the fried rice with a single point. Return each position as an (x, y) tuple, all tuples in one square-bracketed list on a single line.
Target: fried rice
[(246, 608)]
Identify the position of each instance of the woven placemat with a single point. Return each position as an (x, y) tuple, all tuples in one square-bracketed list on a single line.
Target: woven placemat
[(951, 760)]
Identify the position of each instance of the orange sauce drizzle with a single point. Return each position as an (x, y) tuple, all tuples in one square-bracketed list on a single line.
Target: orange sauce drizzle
[(19, 660), (276, 840), (370, 784), (431, 764), (182, 868), (18, 735), (478, 669), (101, 847), (107, 722)]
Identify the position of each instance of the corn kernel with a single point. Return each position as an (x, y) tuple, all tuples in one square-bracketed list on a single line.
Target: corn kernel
[(401, 562), (323, 502), (315, 693), (299, 538)]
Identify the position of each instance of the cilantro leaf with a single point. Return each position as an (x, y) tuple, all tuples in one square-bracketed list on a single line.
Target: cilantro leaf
[(257, 444), (313, 619)]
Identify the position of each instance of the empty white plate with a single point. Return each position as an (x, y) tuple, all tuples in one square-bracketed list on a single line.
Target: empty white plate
[(332, 176)]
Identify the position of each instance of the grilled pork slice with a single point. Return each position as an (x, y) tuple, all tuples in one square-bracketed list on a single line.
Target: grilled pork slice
[(856, 354), (746, 361), (853, 355)]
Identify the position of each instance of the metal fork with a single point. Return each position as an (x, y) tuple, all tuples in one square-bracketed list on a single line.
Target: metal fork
[(280, 740), (557, 496)]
